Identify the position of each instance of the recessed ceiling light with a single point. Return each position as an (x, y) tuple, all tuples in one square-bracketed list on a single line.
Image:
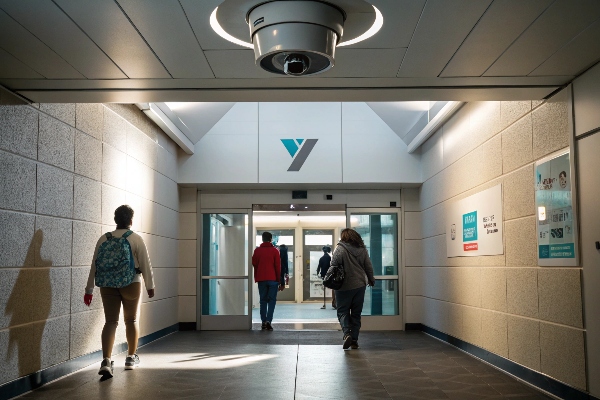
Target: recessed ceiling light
[(377, 24)]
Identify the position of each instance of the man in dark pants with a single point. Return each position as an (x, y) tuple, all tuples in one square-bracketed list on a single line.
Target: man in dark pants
[(267, 273), (283, 255), (324, 264)]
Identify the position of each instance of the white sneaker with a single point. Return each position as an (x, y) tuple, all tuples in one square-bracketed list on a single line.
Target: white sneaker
[(131, 362), (106, 368)]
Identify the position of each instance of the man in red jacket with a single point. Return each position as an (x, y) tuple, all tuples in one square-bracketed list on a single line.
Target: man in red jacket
[(267, 273)]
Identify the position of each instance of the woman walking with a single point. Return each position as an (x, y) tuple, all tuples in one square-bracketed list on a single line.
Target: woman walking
[(120, 261), (352, 255)]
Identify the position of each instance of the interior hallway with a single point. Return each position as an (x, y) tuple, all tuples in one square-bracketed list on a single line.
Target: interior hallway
[(294, 365)]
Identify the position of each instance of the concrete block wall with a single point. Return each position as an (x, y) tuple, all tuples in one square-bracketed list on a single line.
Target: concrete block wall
[(64, 168), (506, 304), (188, 198)]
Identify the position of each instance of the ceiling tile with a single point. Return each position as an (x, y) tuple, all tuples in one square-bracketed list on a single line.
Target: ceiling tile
[(443, 26), (104, 22), (47, 22), (558, 25), (366, 63), (165, 27), (28, 49), (198, 12), (501, 24), (236, 64), (576, 56), (10, 67), (399, 21)]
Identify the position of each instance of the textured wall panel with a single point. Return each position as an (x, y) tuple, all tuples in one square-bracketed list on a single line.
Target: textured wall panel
[(560, 296), (19, 130), (89, 118), (524, 342), (56, 143), (17, 180), (88, 156), (54, 192), (53, 235), (563, 354), (522, 291), (519, 194), (87, 199), (62, 112)]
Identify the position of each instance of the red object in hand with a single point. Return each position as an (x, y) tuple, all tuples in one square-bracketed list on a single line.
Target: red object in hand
[(87, 299)]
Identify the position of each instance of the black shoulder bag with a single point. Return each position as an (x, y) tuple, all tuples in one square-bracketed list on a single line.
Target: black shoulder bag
[(334, 278)]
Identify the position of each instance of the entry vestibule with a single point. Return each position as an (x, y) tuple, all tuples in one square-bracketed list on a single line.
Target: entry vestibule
[(228, 295)]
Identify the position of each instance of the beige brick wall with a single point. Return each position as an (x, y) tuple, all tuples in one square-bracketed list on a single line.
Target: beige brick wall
[(506, 303), (64, 168)]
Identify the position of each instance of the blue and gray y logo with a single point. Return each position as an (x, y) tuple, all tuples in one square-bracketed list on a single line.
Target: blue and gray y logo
[(299, 149)]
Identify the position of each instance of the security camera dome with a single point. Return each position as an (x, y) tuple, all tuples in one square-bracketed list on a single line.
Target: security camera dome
[(295, 37)]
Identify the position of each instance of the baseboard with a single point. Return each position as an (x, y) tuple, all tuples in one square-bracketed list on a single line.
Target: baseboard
[(534, 378), (39, 378), (187, 326)]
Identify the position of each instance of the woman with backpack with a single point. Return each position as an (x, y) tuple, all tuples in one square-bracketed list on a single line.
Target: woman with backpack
[(351, 254), (120, 261)]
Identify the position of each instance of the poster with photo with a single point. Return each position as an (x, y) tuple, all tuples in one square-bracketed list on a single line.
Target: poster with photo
[(556, 230)]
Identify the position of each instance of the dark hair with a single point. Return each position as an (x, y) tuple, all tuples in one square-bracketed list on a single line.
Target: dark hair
[(267, 237), (326, 249), (351, 236), (563, 173), (123, 216)]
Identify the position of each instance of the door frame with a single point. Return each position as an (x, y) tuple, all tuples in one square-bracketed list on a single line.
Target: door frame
[(385, 322), (223, 322)]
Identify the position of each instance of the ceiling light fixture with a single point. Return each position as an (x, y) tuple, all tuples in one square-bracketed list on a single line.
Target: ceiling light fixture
[(214, 23)]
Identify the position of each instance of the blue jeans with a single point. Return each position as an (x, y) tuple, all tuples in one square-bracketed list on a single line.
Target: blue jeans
[(349, 308), (267, 291)]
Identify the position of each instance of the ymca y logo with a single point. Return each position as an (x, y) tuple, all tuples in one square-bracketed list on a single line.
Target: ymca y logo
[(299, 149)]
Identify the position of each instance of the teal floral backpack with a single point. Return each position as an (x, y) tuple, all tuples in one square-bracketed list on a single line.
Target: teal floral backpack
[(115, 267)]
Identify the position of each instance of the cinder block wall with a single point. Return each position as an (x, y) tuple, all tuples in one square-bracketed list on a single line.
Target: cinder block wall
[(505, 304), (64, 168)]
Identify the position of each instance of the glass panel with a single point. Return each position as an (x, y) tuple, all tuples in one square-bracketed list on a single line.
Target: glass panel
[(380, 234), (382, 299), (317, 240), (314, 240), (225, 244), (224, 296)]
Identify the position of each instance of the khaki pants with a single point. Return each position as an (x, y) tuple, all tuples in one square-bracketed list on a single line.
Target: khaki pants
[(112, 298)]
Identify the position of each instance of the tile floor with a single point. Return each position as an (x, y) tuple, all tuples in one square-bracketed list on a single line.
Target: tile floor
[(293, 365)]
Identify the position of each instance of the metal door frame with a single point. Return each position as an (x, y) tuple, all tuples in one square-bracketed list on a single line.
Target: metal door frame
[(222, 322)]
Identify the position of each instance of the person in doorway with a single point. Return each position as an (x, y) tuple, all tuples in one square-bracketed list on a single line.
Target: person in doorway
[(352, 255), (324, 264), (119, 263), (266, 261), (285, 270)]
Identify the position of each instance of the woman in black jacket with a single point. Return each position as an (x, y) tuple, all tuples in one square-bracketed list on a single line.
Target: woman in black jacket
[(353, 256)]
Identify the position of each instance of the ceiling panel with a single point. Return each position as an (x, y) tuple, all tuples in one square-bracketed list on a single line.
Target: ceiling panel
[(366, 63), (562, 21), (28, 49), (166, 29), (575, 57), (200, 117), (104, 22), (236, 64), (47, 22), (501, 24), (400, 18), (10, 67), (198, 12), (442, 28)]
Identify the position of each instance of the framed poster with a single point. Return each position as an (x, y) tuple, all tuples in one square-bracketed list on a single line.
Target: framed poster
[(474, 225), (555, 213)]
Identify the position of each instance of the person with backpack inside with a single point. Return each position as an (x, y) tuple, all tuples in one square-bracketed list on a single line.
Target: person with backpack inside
[(351, 254), (120, 261), (266, 261)]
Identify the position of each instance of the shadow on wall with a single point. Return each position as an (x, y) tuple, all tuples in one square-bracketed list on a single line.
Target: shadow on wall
[(29, 301)]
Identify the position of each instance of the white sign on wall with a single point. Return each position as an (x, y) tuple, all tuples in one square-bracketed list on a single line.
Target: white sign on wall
[(474, 225)]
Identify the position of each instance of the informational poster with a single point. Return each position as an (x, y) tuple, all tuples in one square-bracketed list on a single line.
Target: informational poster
[(556, 230), (474, 225)]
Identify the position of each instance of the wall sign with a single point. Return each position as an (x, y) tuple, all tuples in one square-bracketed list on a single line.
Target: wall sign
[(555, 216), (474, 225)]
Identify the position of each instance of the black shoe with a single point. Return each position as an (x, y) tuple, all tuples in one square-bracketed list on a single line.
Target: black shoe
[(347, 342), (334, 307), (268, 326), (263, 326), (354, 345), (106, 368)]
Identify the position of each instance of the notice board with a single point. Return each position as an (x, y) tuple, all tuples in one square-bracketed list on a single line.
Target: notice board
[(474, 225), (555, 214)]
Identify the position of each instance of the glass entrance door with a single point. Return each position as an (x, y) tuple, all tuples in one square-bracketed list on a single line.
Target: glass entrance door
[(379, 229), (314, 241), (225, 284)]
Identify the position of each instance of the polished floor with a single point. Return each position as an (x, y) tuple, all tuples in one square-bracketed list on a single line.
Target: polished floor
[(293, 365), (299, 311)]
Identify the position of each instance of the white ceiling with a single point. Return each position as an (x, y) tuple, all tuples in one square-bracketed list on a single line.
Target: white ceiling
[(164, 50)]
